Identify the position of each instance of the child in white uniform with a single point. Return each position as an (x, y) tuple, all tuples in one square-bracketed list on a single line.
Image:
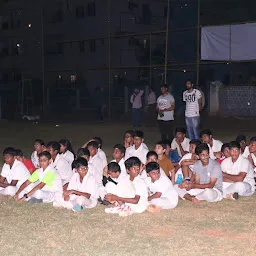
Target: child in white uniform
[(39, 147), (82, 191), (238, 176), (118, 155), (138, 149), (66, 151), (180, 142), (44, 185), (59, 163), (13, 174), (162, 192), (136, 204)]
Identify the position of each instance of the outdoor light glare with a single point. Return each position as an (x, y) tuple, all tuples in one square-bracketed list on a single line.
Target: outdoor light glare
[(184, 70), (18, 45), (29, 25)]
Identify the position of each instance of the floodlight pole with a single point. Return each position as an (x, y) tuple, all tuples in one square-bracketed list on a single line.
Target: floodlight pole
[(198, 44), (166, 42), (42, 59), (109, 61)]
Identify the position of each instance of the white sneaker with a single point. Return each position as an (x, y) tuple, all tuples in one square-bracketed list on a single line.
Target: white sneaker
[(127, 211), (114, 210)]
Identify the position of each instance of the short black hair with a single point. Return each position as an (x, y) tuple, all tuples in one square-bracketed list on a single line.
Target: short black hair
[(9, 151), (225, 145), (195, 142), (121, 148), (162, 144), (139, 134), (82, 152), (253, 139), (152, 153), (54, 145), (67, 144), (98, 140), (131, 162), (93, 144), (41, 142), (200, 148), (234, 144), (189, 80), (164, 86), (205, 131), (19, 153), (129, 132), (240, 138), (180, 129), (114, 167), (80, 161), (167, 143), (152, 167), (46, 154)]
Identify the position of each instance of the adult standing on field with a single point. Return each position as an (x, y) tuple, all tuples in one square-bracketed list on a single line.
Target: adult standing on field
[(165, 109), (193, 99)]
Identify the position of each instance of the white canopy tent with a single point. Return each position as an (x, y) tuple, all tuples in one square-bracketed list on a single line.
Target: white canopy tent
[(229, 43)]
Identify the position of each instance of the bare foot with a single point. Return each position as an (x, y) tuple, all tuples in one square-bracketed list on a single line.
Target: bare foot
[(195, 200), (154, 208)]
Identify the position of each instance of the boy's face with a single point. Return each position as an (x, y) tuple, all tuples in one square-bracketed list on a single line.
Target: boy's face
[(117, 154), (86, 157), (52, 152), (44, 162), (93, 151), (9, 159), (20, 158), (243, 144), (134, 171), (206, 138), (252, 147), (168, 149), (113, 175), (192, 148), (154, 175), (38, 147), (234, 153), (82, 171), (180, 136), (226, 152), (128, 138), (204, 157), (137, 141), (164, 90), (159, 150), (188, 85), (62, 148), (152, 158)]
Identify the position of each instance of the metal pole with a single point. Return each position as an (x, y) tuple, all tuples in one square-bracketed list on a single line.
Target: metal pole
[(150, 60), (198, 44), (42, 58), (109, 61), (166, 42)]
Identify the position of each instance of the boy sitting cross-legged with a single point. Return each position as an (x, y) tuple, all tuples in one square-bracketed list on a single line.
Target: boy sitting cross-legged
[(162, 192), (82, 191), (44, 185)]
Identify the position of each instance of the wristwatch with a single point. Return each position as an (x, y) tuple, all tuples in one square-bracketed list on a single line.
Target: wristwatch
[(26, 195), (187, 179)]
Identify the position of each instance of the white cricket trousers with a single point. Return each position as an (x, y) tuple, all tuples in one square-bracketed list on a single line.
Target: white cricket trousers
[(164, 203), (242, 188), (8, 191), (208, 194), (81, 200)]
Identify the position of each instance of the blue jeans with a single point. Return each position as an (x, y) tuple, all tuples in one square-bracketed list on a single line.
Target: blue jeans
[(192, 124), (136, 117)]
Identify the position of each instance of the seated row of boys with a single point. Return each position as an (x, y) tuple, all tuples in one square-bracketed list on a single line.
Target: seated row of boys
[(137, 179)]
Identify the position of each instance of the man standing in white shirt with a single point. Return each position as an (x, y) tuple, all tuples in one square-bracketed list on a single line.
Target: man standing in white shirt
[(13, 174), (238, 176), (165, 109), (136, 107), (214, 145), (193, 99)]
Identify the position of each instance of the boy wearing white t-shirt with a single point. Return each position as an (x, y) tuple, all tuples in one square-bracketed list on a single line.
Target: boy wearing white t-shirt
[(252, 153), (180, 142), (82, 191), (13, 173), (133, 204), (44, 185), (39, 147), (59, 163), (193, 99), (214, 145), (138, 149), (118, 155), (162, 192), (238, 174)]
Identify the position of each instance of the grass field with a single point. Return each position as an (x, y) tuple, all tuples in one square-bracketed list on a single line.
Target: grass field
[(224, 228)]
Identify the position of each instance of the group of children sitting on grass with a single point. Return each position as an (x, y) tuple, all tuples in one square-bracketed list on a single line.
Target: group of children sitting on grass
[(136, 179)]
